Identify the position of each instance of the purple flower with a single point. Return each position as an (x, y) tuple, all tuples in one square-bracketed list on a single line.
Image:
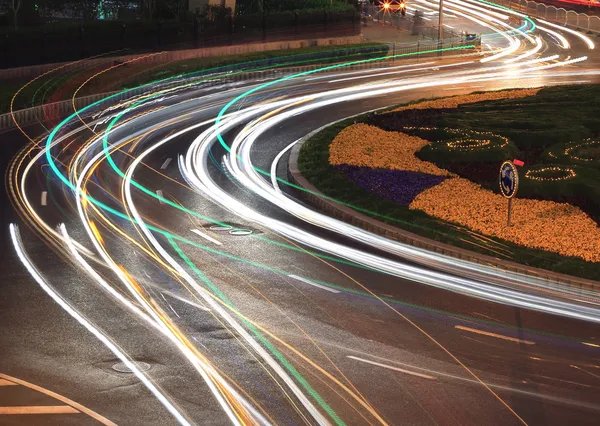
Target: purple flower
[(399, 186)]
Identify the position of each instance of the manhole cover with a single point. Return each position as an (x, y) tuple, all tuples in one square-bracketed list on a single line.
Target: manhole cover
[(122, 368), (240, 232), (220, 228)]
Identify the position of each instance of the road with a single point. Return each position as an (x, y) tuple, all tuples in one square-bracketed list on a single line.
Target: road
[(270, 325)]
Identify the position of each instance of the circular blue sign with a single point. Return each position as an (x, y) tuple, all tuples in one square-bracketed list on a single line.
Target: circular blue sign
[(509, 179)]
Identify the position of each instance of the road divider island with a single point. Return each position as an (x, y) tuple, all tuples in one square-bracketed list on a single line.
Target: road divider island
[(431, 167)]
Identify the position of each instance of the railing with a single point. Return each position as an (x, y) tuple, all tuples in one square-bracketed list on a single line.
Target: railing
[(557, 15)]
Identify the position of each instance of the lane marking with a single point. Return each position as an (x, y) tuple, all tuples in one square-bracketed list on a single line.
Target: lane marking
[(207, 237), (184, 300), (165, 164), (304, 280), (42, 409), (81, 408), (44, 199), (389, 367), (6, 383), (581, 369), (498, 336), (160, 195)]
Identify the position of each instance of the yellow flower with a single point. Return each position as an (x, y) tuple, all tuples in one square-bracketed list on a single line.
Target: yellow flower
[(546, 225), (455, 101)]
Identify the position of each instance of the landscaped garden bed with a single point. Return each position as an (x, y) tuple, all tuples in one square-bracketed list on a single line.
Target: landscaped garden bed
[(432, 168)]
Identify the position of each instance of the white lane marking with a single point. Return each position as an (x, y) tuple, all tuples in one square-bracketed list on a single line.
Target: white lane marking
[(401, 370), (581, 369), (207, 237), (184, 300), (304, 280), (4, 382), (498, 336), (44, 198), (166, 163), (44, 409), (160, 195)]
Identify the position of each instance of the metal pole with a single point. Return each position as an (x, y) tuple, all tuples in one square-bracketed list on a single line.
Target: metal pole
[(440, 23), (510, 203)]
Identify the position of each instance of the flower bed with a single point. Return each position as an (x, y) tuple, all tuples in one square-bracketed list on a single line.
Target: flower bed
[(368, 146), (455, 101), (545, 225), (399, 186)]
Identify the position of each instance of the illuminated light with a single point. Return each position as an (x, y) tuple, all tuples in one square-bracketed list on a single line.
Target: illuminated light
[(468, 144), (14, 233), (518, 163), (534, 174), (587, 142), (565, 44), (593, 345), (386, 5), (537, 48), (586, 39)]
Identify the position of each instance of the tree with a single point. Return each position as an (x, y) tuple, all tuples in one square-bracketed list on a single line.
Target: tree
[(176, 7), (15, 5), (88, 10), (149, 7)]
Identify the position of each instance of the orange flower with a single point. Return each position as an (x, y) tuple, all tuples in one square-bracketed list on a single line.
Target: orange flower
[(369, 146)]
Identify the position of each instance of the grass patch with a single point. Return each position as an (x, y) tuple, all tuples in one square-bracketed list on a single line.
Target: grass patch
[(314, 165)]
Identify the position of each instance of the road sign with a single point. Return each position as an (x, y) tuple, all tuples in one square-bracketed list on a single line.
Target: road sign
[(509, 183), (509, 179)]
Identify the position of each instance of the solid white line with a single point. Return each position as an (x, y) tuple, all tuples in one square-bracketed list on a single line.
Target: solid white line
[(4, 382), (160, 195), (44, 198), (44, 409), (304, 280), (498, 336), (412, 373), (207, 237), (166, 163)]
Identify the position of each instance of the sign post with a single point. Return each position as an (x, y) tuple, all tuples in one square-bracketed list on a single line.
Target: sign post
[(509, 184)]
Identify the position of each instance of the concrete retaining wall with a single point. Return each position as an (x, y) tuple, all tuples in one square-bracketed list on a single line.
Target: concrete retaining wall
[(346, 214)]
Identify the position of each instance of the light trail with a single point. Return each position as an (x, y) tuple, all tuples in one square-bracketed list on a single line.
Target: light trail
[(257, 119)]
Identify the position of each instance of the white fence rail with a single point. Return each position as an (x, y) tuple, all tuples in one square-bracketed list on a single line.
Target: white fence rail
[(557, 15)]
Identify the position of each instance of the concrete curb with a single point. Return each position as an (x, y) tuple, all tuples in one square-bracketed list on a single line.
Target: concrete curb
[(338, 211)]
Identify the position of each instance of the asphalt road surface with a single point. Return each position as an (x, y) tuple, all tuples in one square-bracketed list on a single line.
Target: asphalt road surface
[(251, 323)]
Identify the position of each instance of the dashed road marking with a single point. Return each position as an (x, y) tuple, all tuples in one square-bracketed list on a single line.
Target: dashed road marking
[(44, 199), (207, 237), (304, 280), (389, 367), (160, 195), (165, 164)]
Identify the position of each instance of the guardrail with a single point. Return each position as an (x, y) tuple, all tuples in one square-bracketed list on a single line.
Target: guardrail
[(557, 15)]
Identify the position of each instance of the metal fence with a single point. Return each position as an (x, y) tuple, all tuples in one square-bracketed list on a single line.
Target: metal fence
[(557, 15), (409, 24)]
